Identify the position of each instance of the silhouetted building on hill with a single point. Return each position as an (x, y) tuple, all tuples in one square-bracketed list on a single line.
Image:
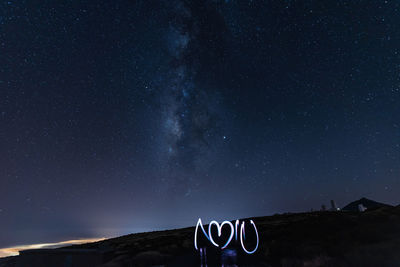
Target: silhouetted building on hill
[(361, 208), (333, 206)]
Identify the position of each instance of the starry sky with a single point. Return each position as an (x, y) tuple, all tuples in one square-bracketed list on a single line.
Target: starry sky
[(135, 115)]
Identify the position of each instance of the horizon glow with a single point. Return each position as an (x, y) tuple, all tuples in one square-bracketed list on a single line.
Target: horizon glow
[(14, 251)]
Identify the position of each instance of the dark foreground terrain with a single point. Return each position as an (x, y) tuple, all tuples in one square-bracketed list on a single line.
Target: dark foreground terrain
[(371, 238)]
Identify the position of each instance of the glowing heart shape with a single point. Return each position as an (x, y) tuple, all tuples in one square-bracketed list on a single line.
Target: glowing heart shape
[(219, 227)]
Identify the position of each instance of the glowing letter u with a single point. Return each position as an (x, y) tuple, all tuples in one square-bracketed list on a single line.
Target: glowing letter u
[(242, 236)]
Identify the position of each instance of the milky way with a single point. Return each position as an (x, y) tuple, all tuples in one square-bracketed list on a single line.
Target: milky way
[(191, 112)]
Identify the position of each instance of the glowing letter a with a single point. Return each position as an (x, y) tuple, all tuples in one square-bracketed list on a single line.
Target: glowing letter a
[(195, 233)]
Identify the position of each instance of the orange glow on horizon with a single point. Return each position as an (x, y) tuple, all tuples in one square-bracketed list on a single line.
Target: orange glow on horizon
[(14, 251)]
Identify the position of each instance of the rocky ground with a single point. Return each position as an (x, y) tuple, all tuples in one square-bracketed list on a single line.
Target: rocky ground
[(371, 238)]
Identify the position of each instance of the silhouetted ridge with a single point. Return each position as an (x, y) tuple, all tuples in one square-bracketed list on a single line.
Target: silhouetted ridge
[(367, 203), (340, 239)]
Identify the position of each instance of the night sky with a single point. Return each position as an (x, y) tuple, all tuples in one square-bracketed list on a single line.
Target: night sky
[(126, 116)]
